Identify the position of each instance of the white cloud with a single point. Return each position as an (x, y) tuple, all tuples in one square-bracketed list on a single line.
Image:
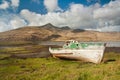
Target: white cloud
[(33, 18), (11, 21), (4, 5), (51, 5), (15, 3), (109, 14), (4, 26), (108, 11), (17, 22)]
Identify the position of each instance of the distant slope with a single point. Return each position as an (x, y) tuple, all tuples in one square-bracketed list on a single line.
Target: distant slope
[(50, 32)]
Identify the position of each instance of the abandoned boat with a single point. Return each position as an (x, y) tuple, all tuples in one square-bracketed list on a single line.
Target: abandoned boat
[(90, 52)]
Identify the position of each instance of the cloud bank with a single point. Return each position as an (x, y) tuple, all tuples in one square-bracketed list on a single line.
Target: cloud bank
[(77, 16)]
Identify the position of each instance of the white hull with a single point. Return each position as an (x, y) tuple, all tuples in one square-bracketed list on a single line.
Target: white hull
[(90, 55)]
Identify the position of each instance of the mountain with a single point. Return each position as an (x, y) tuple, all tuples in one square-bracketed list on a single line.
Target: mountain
[(51, 32), (49, 26)]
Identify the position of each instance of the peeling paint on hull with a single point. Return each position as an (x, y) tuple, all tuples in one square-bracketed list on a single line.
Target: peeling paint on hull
[(90, 55)]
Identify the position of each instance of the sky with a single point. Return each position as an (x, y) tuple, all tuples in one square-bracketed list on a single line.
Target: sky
[(98, 15)]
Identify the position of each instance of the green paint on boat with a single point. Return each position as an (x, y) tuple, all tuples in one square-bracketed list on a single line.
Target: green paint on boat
[(77, 45)]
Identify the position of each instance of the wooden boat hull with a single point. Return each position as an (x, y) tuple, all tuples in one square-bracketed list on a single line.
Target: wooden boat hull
[(90, 55)]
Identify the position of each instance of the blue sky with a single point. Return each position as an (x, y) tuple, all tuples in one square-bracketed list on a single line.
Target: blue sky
[(84, 14), (38, 5)]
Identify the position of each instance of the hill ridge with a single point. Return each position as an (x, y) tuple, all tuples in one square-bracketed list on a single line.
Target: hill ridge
[(51, 32)]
